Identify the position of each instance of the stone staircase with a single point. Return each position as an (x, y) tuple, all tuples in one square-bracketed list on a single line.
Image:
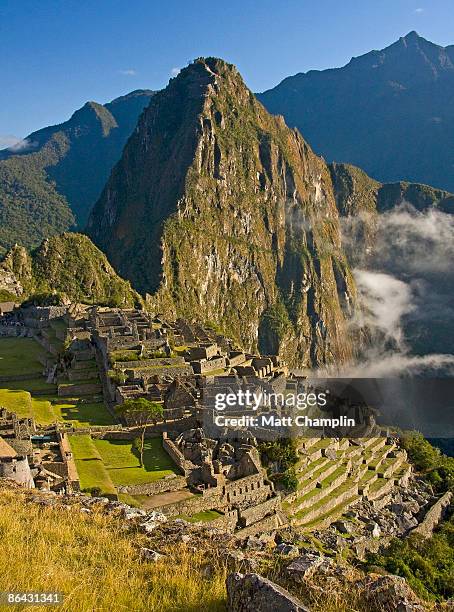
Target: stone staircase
[(334, 474)]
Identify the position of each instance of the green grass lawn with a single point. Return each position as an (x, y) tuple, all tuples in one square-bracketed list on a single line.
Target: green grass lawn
[(19, 356), (122, 461), (42, 411), (82, 414), (50, 408), (16, 401), (90, 466), (24, 405)]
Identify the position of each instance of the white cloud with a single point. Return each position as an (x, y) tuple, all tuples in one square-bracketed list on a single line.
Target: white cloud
[(12, 143), (419, 10), (8, 140), (405, 285), (387, 300), (128, 72), (175, 72)]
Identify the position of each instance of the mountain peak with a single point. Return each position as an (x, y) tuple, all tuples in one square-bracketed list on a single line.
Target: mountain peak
[(413, 35), (413, 39), (379, 111), (136, 93), (211, 186), (93, 113)]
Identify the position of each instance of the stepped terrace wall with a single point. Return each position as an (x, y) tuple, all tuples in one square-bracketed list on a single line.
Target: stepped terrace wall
[(242, 493), (256, 513), (166, 484), (169, 370)]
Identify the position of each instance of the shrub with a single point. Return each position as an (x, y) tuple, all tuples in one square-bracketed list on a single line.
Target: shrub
[(437, 467), (426, 563)]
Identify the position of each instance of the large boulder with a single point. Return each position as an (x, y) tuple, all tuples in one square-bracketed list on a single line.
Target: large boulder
[(253, 593), (304, 566), (391, 594)]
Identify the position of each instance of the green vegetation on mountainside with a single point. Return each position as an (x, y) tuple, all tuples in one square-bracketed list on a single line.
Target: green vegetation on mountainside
[(30, 207), (280, 458), (426, 563), (437, 468), (71, 266), (51, 182)]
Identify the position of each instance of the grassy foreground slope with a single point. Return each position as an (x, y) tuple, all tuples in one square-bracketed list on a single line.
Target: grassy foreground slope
[(96, 563)]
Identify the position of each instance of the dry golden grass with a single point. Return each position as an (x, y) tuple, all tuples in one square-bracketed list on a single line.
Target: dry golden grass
[(96, 564)]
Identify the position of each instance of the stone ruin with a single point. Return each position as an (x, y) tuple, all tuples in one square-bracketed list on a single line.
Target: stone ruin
[(35, 456), (180, 364)]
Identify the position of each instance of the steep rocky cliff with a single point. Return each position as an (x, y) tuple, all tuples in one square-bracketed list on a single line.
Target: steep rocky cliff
[(219, 211), (68, 264)]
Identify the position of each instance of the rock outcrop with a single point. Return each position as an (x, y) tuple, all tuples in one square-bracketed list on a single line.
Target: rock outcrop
[(434, 516), (219, 211), (253, 593)]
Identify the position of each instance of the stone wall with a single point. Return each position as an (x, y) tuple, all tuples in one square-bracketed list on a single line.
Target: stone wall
[(69, 390), (16, 377), (171, 370), (86, 374), (18, 469), (258, 512), (12, 331), (207, 365), (163, 485), (269, 523), (150, 363), (372, 495), (246, 491), (118, 432), (434, 516), (175, 454), (57, 467), (192, 505), (241, 493), (227, 522)]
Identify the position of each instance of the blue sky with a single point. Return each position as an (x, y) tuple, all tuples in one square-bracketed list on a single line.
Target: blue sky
[(57, 54)]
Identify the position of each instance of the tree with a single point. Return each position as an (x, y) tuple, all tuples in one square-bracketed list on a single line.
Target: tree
[(142, 412)]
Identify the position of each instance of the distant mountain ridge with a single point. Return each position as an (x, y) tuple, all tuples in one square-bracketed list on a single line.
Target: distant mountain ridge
[(390, 112), (50, 183)]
